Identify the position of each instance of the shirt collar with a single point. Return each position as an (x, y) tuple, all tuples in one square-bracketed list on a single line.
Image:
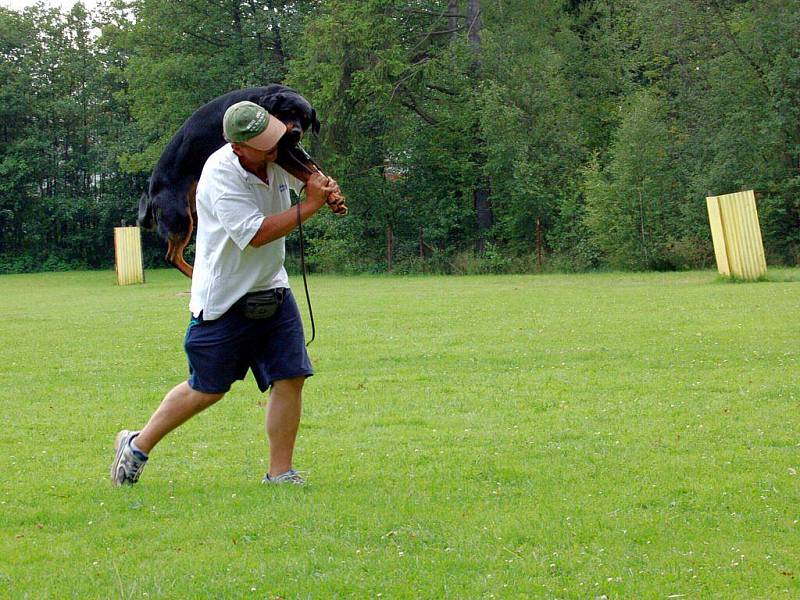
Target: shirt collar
[(244, 173)]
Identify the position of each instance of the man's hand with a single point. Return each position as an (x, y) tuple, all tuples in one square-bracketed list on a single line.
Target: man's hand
[(273, 227), (318, 188)]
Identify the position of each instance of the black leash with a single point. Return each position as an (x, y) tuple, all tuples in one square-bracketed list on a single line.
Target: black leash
[(303, 269)]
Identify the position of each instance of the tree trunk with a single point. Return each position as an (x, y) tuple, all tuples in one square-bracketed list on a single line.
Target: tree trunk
[(389, 247), (480, 194), (452, 22), (641, 221), (539, 243), (236, 17), (483, 212), (278, 54), (259, 39), (474, 32)]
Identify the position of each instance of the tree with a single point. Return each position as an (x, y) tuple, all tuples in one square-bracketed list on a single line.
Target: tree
[(187, 53), (453, 125)]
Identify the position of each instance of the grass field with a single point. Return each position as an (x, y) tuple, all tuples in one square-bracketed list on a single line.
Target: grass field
[(583, 436)]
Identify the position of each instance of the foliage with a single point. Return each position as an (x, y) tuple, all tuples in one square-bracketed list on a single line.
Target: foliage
[(631, 206), (453, 132), (60, 194)]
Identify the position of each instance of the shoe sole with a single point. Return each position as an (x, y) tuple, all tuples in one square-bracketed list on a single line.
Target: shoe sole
[(119, 445)]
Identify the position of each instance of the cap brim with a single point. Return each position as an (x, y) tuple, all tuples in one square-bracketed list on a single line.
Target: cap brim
[(267, 139)]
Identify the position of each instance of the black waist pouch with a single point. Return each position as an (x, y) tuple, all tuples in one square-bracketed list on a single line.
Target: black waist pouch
[(261, 305)]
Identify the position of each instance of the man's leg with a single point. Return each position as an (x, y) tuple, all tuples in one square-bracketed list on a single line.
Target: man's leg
[(283, 420), (179, 405)]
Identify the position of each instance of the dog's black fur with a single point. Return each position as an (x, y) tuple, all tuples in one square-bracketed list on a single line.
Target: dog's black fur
[(169, 202)]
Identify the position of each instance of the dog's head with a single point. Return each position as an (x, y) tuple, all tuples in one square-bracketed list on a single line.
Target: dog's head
[(295, 111)]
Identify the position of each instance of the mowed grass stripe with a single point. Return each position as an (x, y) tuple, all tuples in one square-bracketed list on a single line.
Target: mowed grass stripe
[(571, 436)]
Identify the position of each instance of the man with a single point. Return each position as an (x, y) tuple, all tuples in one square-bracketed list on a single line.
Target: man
[(244, 315)]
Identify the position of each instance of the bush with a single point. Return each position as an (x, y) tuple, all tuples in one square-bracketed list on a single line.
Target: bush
[(684, 254), (28, 263), (493, 261), (23, 263), (335, 255)]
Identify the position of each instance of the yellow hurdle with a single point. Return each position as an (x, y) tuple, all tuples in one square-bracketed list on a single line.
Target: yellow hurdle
[(128, 255), (736, 234)]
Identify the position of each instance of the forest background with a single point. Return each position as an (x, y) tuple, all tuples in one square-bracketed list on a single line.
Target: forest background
[(468, 136)]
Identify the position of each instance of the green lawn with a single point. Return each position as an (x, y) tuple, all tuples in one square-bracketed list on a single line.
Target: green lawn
[(554, 436)]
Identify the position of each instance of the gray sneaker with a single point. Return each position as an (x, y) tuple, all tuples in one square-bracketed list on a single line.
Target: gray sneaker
[(291, 476), (128, 464)]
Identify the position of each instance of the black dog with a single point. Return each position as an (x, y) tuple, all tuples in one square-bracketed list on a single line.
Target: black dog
[(169, 202)]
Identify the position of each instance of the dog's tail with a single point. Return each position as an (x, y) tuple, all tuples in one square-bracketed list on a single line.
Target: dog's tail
[(146, 218)]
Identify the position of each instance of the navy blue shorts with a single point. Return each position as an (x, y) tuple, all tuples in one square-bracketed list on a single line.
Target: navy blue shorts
[(221, 351)]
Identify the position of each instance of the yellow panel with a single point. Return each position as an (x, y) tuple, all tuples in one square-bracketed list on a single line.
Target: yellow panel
[(718, 235), (752, 248), (733, 228), (744, 250), (759, 261), (128, 253), (750, 269)]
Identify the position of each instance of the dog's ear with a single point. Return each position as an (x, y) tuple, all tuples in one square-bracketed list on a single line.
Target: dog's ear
[(314, 121), (271, 101)]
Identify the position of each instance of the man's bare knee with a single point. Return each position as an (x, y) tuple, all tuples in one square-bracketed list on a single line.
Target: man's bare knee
[(293, 385), (202, 399)]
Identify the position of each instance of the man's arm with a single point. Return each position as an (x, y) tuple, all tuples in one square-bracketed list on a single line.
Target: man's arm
[(277, 226)]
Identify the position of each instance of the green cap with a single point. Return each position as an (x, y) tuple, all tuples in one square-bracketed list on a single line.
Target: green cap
[(250, 124)]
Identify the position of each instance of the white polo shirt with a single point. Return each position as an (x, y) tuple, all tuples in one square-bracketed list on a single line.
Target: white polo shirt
[(231, 205)]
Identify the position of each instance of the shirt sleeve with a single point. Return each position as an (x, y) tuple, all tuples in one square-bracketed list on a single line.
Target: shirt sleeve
[(239, 216)]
